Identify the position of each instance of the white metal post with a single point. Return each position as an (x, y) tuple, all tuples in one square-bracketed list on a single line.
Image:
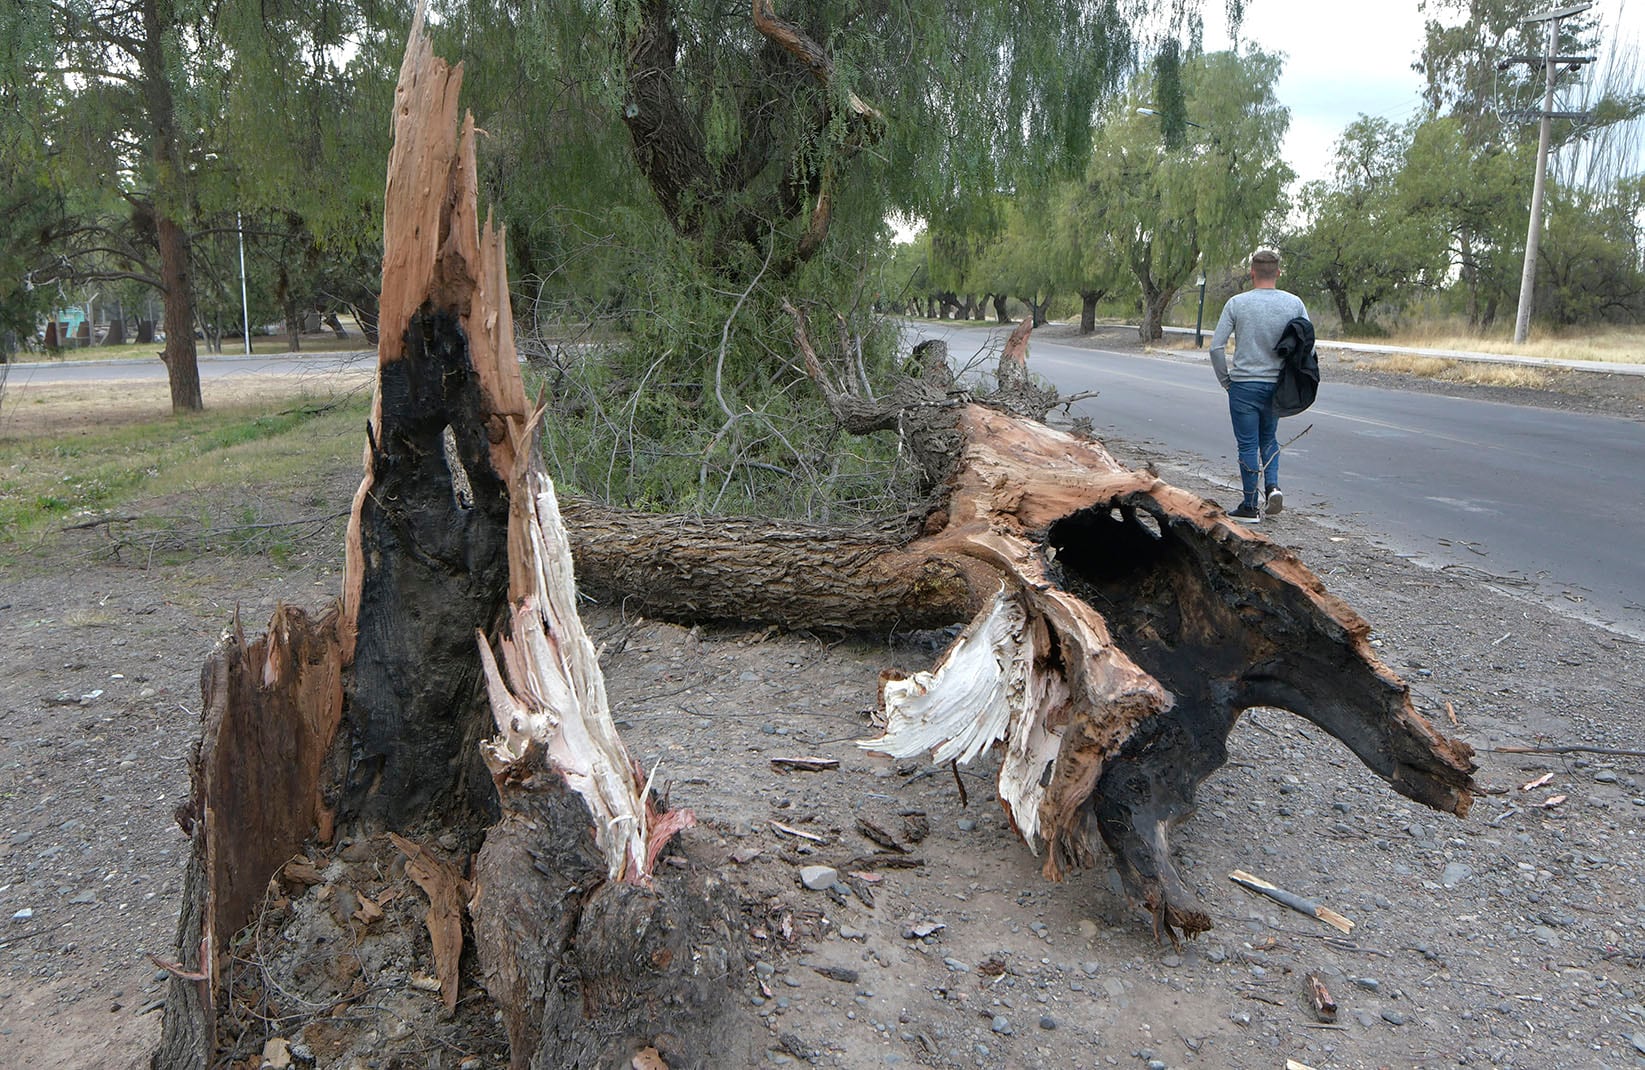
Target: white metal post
[(245, 306)]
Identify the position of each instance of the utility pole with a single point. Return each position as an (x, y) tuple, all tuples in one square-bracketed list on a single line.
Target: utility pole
[(1551, 62)]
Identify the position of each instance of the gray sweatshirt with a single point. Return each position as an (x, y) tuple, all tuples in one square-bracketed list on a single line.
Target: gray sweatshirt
[(1256, 318)]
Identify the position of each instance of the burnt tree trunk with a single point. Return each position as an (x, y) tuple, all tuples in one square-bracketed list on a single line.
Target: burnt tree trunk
[(453, 686)]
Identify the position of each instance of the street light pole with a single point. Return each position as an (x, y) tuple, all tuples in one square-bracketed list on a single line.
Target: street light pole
[(1199, 317), (245, 306)]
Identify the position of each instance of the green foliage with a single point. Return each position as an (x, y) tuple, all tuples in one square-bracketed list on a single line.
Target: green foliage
[(1589, 267), (1364, 245), (1167, 208)]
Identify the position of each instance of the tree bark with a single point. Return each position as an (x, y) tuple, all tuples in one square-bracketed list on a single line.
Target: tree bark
[(1000, 315), (1088, 309), (179, 356)]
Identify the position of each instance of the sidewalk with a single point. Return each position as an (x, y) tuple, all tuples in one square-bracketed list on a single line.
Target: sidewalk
[(1600, 366)]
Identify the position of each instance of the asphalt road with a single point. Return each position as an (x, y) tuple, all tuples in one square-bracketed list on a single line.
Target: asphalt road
[(1551, 502)]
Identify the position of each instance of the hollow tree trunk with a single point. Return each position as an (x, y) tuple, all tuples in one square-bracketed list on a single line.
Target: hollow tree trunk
[(453, 681)]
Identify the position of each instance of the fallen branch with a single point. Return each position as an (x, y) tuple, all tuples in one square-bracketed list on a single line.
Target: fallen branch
[(1292, 900), (1572, 748)]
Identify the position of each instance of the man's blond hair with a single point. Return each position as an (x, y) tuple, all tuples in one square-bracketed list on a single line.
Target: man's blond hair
[(1265, 264)]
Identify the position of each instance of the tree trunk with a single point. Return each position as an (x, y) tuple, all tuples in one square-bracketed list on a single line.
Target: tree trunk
[(176, 284), (1339, 298), (1036, 309), (1088, 309), (338, 331), (453, 683), (1000, 315), (1155, 302), (179, 355)]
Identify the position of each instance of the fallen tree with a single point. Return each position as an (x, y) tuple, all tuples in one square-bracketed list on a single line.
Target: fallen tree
[(1110, 718), (452, 694)]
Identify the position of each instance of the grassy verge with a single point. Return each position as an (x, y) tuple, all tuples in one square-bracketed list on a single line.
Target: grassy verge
[(1597, 344), (185, 470)]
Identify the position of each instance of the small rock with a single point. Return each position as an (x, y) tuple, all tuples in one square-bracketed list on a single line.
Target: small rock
[(1393, 1017), (817, 878), (23, 915), (1091, 968), (1370, 984), (1638, 1041), (1047, 1022), (1605, 776), (922, 930), (967, 824), (1173, 960), (1001, 1025), (1455, 874), (276, 1054), (956, 965)]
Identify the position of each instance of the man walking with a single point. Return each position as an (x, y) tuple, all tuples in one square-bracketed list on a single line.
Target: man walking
[(1256, 319)]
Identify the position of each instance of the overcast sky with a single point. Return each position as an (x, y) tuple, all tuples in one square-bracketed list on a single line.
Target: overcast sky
[(1346, 59)]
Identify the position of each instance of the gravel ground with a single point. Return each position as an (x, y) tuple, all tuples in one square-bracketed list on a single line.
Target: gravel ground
[(1510, 939)]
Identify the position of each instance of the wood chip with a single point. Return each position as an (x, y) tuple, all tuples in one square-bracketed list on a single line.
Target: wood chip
[(1325, 1008), (788, 830), (880, 836), (838, 973), (1451, 712), (806, 764), (1552, 801), (447, 891), (1537, 783), (648, 1059)]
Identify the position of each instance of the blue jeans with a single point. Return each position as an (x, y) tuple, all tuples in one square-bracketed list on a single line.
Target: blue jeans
[(1251, 406)]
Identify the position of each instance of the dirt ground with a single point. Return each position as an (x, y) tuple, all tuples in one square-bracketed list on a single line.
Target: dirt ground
[(1510, 939)]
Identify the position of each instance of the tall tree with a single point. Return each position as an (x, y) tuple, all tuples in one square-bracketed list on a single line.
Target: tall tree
[(1363, 244), (1084, 254), (1209, 196), (120, 119)]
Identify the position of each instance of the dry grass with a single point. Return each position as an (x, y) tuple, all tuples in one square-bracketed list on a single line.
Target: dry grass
[(1615, 344), (1454, 371)]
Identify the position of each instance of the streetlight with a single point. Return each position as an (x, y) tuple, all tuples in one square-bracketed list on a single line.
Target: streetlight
[(1186, 122), (245, 306), (1199, 317)]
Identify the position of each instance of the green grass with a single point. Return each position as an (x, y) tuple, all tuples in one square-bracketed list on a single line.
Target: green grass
[(49, 481)]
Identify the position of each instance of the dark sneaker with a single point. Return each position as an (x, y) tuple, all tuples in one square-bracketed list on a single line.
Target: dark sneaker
[(1275, 502), (1246, 514)]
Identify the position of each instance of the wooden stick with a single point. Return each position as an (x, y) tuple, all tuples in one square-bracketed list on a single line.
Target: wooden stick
[(1292, 900), (1571, 748)]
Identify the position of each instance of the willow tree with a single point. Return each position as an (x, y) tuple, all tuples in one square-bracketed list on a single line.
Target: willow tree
[(679, 167), (1170, 200)]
